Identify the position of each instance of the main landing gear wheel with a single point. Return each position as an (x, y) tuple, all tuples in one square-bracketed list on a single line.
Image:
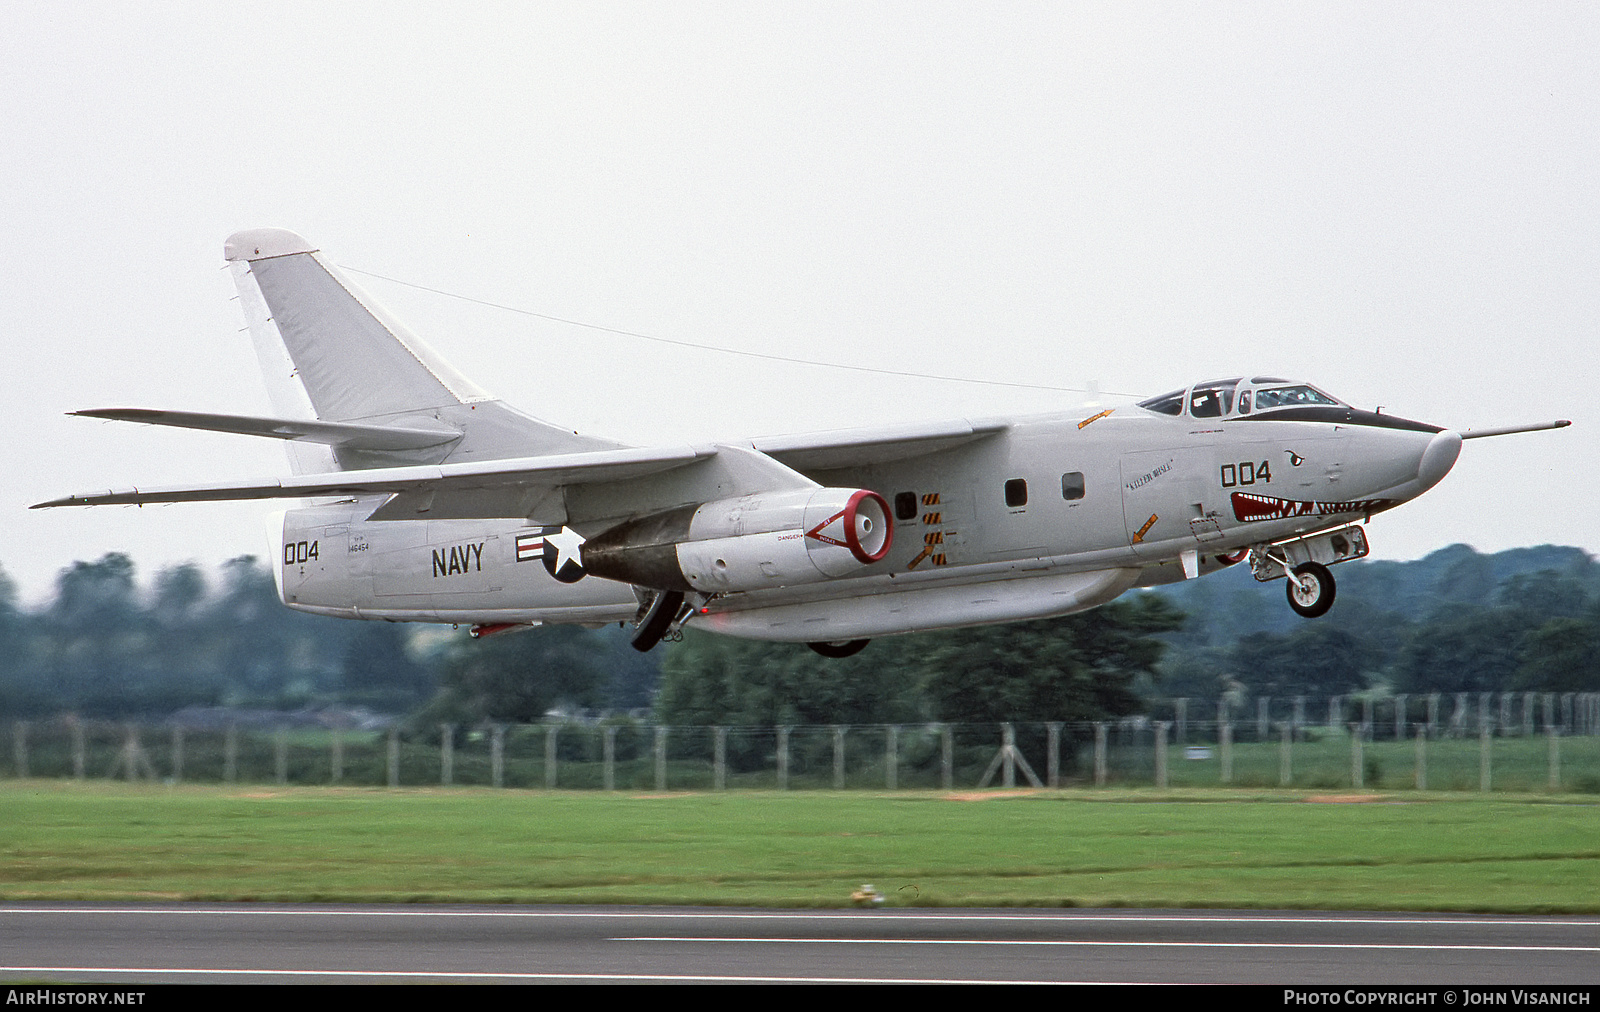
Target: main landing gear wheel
[(841, 648), (1311, 590), (656, 621)]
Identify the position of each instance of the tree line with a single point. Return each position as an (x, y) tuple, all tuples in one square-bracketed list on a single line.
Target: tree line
[(109, 645), (1457, 620)]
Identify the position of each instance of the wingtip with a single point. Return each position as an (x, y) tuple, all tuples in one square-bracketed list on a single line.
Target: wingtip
[(263, 243)]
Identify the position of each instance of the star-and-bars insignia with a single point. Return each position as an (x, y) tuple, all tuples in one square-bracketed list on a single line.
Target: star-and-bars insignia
[(559, 548)]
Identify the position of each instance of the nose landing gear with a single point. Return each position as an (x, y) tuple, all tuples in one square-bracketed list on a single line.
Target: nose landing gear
[(1311, 590), (1305, 562)]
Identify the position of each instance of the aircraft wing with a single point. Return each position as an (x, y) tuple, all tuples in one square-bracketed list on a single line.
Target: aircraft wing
[(590, 484), (477, 476), (343, 434), (822, 451)]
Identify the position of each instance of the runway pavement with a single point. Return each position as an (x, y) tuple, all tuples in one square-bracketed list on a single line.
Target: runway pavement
[(215, 943)]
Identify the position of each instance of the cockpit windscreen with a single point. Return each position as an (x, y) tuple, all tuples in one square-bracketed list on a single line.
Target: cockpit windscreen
[(1220, 398), (1291, 397)]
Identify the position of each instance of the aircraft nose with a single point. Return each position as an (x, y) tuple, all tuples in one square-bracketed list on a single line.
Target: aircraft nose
[(1438, 457)]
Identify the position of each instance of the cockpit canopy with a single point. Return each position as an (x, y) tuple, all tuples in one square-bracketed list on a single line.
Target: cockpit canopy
[(1239, 396)]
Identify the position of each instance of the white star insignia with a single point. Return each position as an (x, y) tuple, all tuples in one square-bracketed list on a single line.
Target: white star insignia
[(568, 544)]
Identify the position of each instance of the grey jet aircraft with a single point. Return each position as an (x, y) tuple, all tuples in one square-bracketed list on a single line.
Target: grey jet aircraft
[(432, 501)]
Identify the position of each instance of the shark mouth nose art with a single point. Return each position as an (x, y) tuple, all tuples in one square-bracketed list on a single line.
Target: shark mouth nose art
[(1248, 507)]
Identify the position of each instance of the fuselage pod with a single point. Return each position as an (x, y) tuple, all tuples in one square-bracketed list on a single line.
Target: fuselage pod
[(748, 543)]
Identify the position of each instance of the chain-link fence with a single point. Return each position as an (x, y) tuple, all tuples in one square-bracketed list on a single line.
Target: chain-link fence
[(1521, 742)]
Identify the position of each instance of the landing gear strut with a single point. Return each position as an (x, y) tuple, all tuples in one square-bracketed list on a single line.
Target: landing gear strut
[(1311, 590), (658, 618)]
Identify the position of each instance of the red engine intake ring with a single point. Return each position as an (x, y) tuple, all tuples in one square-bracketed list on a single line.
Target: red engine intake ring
[(853, 541)]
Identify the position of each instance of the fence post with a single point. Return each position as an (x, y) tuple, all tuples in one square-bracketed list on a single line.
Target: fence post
[(838, 757), (1357, 774), (132, 756), (1484, 732), (394, 757), (661, 758), (947, 758), (1161, 754), (1433, 712), (1299, 713), (1422, 757), (719, 758), (19, 748), (1263, 710), (1008, 752), (1400, 717), (447, 754), (609, 770), (783, 758), (550, 732), (1225, 751), (1053, 760), (1100, 753), (1285, 761), (280, 755), (78, 749), (891, 759), (1555, 757), (497, 754)]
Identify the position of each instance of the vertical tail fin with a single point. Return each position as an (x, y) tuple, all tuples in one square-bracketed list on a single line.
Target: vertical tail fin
[(329, 351)]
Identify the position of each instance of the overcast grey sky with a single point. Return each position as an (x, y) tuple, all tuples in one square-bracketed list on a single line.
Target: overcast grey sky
[(1396, 201)]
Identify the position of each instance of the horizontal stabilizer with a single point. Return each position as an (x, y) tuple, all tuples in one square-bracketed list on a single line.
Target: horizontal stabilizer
[(531, 473), (342, 434)]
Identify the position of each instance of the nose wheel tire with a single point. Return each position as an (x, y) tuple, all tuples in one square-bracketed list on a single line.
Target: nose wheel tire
[(1311, 590), (842, 648)]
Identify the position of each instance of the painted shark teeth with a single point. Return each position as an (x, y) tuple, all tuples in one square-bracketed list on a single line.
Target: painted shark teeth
[(1249, 507)]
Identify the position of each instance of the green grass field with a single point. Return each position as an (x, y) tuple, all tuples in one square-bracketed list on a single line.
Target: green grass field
[(61, 840)]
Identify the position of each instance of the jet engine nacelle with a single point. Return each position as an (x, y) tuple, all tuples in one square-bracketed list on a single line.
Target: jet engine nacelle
[(774, 539)]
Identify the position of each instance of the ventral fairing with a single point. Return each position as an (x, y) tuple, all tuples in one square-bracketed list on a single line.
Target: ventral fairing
[(432, 501)]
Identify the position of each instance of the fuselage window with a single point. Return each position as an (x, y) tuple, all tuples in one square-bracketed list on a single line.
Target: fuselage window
[(1244, 403), (1072, 485), (905, 506), (1017, 492)]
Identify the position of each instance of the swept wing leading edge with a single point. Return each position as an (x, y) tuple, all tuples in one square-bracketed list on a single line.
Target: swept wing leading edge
[(549, 471)]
